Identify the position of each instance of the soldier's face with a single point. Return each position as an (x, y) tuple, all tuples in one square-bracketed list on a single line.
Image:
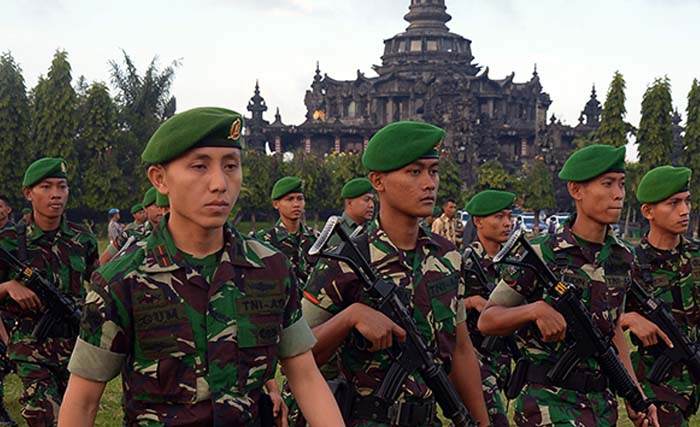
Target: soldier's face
[(670, 215), (5, 211), (291, 206), (496, 227), (600, 199), (140, 216), (153, 213), (360, 209), (203, 185), (48, 197), (411, 190)]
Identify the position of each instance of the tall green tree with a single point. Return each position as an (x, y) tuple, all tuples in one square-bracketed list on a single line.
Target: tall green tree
[(259, 175), (493, 175), (55, 119), (655, 136), (691, 141), (99, 183), (538, 190), (451, 184), (144, 102), (15, 124), (613, 128), (344, 167)]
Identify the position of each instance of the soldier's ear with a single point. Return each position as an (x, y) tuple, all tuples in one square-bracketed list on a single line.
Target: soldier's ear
[(377, 180), (575, 190), (647, 211), (156, 174), (27, 192)]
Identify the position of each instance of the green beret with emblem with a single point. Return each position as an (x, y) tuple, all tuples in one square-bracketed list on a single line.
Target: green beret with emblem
[(47, 167), (402, 143), (198, 127), (286, 185), (149, 197), (593, 161), (162, 200), (136, 208), (26, 211), (663, 182), (488, 202), (355, 188)]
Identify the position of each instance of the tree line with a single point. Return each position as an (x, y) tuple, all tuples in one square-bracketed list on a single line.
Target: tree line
[(102, 135)]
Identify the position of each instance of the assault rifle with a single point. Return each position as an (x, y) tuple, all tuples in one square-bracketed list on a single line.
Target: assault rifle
[(412, 355), (583, 337), (60, 312), (684, 350), (471, 265)]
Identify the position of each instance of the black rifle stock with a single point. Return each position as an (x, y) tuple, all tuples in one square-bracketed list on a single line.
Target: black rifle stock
[(60, 310), (684, 350), (411, 356), (583, 337), (472, 266)]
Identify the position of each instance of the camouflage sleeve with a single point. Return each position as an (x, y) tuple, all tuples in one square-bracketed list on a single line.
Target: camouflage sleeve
[(296, 336), (92, 256), (8, 241), (332, 286), (631, 303), (101, 347)]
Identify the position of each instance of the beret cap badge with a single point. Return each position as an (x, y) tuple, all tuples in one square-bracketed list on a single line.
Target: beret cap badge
[(235, 130)]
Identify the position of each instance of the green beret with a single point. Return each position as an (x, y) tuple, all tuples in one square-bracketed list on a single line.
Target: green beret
[(592, 161), (26, 211), (286, 185), (162, 200), (198, 127), (663, 182), (399, 144), (355, 188), (136, 208), (150, 197), (437, 211), (489, 202), (47, 167)]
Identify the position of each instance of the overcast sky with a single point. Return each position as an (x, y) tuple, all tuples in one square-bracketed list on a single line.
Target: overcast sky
[(225, 45)]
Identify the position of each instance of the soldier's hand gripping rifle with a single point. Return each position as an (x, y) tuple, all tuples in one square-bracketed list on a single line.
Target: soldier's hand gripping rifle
[(583, 337), (60, 310), (414, 354), (684, 350), (473, 270)]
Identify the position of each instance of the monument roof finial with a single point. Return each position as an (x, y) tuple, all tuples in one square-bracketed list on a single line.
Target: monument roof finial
[(427, 14)]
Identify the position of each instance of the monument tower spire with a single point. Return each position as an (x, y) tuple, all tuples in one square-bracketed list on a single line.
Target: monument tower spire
[(427, 15)]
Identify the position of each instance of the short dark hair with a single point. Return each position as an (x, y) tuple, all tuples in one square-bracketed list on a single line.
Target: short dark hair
[(448, 201), (5, 199)]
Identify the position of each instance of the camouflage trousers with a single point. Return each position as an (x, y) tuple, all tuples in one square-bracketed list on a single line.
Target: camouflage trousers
[(42, 368), (494, 371), (540, 406)]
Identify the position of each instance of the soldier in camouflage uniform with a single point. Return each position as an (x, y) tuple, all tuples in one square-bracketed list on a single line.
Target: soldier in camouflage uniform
[(587, 254), (289, 234), (491, 215), (66, 254), (196, 316), (425, 267), (152, 214), (139, 214), (6, 323), (668, 265)]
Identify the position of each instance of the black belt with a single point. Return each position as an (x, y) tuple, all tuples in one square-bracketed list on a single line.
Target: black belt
[(411, 413), (584, 382)]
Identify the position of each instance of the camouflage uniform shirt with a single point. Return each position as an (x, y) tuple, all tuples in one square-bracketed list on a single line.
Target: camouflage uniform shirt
[(193, 348), (674, 278), (430, 285), (295, 246), (131, 233), (601, 272)]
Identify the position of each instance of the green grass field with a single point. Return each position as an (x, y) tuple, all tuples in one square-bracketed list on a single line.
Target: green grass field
[(110, 412)]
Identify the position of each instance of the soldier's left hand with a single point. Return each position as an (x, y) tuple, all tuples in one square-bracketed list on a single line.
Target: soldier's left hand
[(647, 331), (279, 409), (644, 419)]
